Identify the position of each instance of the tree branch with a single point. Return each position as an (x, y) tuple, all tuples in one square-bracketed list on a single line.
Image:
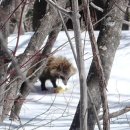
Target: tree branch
[(64, 11), (67, 34), (96, 57), (117, 113), (33, 49), (96, 7), (16, 66), (81, 67), (126, 22)]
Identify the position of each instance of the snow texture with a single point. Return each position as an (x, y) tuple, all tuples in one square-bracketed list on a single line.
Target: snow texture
[(55, 111)]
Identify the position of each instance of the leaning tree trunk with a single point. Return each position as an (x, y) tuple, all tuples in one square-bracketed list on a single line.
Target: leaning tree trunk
[(31, 50), (3, 73), (108, 41), (34, 72), (3, 57)]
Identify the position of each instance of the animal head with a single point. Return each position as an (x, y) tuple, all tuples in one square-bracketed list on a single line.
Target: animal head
[(65, 76), (62, 69)]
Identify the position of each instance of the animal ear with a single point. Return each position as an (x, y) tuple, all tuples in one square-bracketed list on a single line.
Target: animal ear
[(73, 70)]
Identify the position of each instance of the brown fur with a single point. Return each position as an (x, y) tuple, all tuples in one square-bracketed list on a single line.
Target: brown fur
[(57, 68)]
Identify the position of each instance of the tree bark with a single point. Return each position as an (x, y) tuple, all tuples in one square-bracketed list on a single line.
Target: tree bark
[(108, 41), (39, 10), (19, 17), (34, 72), (3, 57), (3, 74), (81, 66), (32, 50), (98, 64)]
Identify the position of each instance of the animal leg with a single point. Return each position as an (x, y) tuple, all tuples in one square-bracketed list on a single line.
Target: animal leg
[(43, 87), (54, 83)]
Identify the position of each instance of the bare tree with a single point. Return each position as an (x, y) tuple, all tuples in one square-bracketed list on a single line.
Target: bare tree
[(80, 65), (108, 41), (4, 59), (31, 50)]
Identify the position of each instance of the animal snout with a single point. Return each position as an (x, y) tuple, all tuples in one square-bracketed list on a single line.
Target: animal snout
[(65, 82)]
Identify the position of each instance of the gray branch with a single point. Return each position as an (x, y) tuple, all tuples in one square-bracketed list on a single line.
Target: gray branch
[(64, 11), (117, 113), (96, 7)]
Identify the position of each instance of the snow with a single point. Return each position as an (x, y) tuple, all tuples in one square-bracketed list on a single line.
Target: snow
[(51, 111)]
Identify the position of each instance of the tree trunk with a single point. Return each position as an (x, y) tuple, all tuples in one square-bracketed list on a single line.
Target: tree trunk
[(108, 41), (32, 50), (3, 57), (39, 10), (3, 74), (81, 66), (36, 71)]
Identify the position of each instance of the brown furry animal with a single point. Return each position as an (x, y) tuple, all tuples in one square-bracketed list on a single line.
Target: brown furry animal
[(57, 68)]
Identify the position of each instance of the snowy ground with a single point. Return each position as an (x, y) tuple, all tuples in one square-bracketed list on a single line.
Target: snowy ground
[(49, 111)]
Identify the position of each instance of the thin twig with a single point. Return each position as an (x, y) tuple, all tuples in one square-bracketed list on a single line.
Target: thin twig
[(67, 34), (96, 7), (19, 27), (96, 58), (12, 13)]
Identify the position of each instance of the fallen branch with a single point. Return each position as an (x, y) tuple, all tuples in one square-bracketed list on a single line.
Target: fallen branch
[(117, 113)]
